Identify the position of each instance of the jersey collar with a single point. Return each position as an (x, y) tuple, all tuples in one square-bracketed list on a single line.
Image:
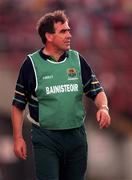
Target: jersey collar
[(45, 57)]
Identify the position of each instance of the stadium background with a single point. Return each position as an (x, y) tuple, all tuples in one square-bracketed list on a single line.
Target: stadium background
[(102, 32)]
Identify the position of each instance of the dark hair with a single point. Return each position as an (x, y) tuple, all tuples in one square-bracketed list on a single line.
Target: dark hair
[(46, 23)]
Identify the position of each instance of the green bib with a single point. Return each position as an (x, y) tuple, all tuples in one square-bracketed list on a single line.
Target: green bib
[(59, 91)]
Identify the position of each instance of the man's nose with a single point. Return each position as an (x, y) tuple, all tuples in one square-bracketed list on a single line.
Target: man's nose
[(69, 34)]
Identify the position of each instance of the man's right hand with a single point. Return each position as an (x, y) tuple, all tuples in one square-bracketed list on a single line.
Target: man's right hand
[(20, 148)]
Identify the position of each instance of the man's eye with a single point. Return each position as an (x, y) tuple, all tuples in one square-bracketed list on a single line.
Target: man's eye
[(63, 31)]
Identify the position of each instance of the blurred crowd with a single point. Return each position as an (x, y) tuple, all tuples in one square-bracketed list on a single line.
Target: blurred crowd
[(101, 32)]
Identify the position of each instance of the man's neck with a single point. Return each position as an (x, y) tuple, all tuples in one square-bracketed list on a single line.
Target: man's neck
[(53, 53)]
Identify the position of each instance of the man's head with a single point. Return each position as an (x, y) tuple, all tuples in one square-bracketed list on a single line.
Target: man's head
[(53, 28)]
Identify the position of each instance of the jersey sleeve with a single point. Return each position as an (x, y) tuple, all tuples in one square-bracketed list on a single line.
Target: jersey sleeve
[(91, 85), (24, 85)]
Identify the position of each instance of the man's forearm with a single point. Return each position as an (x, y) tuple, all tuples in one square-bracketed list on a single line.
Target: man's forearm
[(101, 101), (17, 122)]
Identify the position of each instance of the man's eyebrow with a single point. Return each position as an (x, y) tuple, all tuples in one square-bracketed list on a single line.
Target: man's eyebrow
[(65, 29)]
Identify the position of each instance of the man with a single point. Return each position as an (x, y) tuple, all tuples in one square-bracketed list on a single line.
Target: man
[(52, 80)]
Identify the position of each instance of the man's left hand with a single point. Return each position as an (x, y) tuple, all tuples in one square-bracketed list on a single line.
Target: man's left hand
[(103, 118)]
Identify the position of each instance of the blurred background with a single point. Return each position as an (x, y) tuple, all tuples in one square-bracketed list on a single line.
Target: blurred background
[(102, 33)]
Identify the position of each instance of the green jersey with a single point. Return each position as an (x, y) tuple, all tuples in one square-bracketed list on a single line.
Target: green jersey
[(59, 91)]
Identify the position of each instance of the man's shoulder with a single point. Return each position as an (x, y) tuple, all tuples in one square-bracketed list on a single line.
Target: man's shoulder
[(26, 65), (73, 50), (33, 53), (26, 61)]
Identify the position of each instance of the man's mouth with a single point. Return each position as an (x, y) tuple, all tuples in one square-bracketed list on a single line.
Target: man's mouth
[(67, 42)]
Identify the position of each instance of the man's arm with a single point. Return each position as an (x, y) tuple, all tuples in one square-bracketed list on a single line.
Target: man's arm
[(102, 114), (22, 89), (93, 90), (20, 149)]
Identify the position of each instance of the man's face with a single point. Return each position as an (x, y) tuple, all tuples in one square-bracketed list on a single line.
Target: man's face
[(61, 37)]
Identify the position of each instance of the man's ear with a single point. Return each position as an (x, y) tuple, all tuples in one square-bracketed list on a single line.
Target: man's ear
[(49, 36)]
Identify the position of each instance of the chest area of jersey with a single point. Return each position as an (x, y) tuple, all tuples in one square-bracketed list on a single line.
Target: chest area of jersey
[(58, 79)]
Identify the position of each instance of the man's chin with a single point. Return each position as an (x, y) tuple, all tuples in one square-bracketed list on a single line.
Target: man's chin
[(67, 48)]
